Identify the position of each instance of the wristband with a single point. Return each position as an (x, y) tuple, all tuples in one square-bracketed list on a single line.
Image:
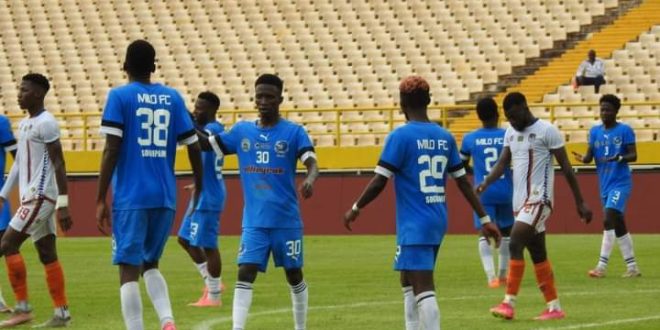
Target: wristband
[(62, 201), (355, 208), (485, 219)]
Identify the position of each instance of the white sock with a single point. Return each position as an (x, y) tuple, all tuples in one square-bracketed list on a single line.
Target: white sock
[(606, 248), (242, 302), (410, 311), (213, 284), (2, 299), (626, 246), (203, 269), (62, 312), (131, 305), (510, 299), (429, 313), (299, 298), (160, 298), (554, 305), (504, 257), (486, 258)]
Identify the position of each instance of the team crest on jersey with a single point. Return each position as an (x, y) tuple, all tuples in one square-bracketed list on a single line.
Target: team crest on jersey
[(245, 145), (532, 137), (617, 140), (281, 148), (597, 144), (521, 138)]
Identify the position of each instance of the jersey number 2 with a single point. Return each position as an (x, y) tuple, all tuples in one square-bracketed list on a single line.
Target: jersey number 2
[(155, 124)]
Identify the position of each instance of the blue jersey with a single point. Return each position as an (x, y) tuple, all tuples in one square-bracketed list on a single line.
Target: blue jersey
[(150, 119), (420, 155), (485, 147), (213, 192), (607, 143), (267, 160), (7, 142)]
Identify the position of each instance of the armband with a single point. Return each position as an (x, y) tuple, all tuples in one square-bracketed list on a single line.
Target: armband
[(62, 201), (355, 208), (485, 219)]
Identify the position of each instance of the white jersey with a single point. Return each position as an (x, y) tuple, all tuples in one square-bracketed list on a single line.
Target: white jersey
[(533, 174), (35, 171)]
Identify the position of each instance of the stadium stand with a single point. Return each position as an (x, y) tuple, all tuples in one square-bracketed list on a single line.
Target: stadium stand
[(332, 55)]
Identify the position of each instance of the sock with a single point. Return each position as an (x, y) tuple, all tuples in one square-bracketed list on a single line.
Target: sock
[(504, 257), (546, 280), (203, 269), (486, 258), (626, 246), (299, 298), (513, 280), (55, 280), (213, 284), (410, 309), (2, 299), (241, 306), (606, 248), (17, 276), (429, 313), (62, 312), (553, 305), (131, 305), (160, 298)]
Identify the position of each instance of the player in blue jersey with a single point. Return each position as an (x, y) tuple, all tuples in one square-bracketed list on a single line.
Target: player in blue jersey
[(143, 122), (420, 155), (612, 147), (8, 144), (484, 146), (268, 150), (198, 234)]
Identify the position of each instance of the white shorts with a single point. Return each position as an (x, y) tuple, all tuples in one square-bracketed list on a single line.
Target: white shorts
[(535, 215), (35, 218)]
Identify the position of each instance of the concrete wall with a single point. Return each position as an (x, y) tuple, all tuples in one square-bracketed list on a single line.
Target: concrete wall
[(335, 193)]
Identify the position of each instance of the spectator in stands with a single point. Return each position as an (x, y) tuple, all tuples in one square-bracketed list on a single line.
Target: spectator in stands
[(591, 72)]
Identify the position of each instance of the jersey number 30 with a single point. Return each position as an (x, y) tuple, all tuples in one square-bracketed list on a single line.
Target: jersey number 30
[(154, 124), (434, 167)]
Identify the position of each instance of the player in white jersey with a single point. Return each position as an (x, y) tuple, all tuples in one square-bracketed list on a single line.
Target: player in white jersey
[(41, 174), (530, 143)]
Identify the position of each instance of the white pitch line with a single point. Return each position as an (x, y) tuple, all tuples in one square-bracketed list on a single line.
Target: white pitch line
[(206, 325), (600, 324)]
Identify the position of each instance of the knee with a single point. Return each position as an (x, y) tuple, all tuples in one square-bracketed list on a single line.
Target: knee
[(538, 256), (294, 276), (183, 242), (47, 256), (247, 273), (620, 227)]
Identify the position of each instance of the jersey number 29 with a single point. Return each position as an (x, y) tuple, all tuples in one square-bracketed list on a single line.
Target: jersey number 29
[(434, 167)]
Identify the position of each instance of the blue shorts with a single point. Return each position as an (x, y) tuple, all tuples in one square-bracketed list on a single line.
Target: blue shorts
[(201, 228), (5, 216), (286, 244), (501, 214), (139, 236), (415, 257), (616, 199)]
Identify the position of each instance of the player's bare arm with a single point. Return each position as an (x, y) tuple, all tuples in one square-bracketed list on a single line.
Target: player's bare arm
[(497, 171), (373, 189), (582, 207), (195, 158), (306, 188), (57, 159), (108, 163), (488, 229)]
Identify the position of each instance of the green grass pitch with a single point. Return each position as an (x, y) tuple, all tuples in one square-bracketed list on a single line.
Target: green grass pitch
[(352, 286)]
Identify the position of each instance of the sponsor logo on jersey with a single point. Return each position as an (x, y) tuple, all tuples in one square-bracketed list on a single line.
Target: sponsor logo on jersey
[(245, 145), (617, 140), (281, 148)]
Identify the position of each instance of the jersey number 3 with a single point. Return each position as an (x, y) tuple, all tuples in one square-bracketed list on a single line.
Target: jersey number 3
[(434, 167), (154, 124)]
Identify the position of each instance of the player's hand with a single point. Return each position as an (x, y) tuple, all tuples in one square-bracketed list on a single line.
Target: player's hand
[(489, 230), (578, 156), (102, 217), (480, 188), (306, 189), (64, 218), (189, 187), (585, 213), (349, 217)]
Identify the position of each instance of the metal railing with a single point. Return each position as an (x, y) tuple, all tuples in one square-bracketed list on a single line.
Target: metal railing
[(375, 121)]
